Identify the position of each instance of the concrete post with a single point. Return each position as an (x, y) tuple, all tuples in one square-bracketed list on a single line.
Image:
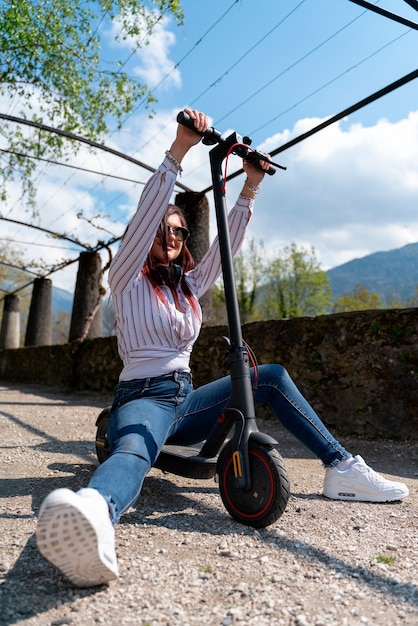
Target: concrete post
[(86, 316), (196, 209), (10, 323), (39, 327)]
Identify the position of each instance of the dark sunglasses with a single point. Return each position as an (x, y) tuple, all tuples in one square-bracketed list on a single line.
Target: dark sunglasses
[(179, 232)]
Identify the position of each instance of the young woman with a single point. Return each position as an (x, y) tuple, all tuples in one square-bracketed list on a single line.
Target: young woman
[(155, 289)]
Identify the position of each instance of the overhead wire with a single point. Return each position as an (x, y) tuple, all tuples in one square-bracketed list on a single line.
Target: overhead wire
[(412, 3), (290, 67), (187, 54), (74, 167), (385, 13), (195, 99), (118, 71), (40, 245), (248, 51), (287, 70), (214, 83), (217, 21), (329, 82), (335, 118), (191, 50), (184, 57)]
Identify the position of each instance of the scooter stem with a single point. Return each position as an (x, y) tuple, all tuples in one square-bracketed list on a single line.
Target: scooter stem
[(240, 409), (241, 400)]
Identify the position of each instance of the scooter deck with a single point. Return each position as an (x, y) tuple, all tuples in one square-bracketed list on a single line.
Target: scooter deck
[(186, 461)]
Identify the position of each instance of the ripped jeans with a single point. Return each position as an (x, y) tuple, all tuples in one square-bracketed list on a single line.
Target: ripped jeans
[(150, 412)]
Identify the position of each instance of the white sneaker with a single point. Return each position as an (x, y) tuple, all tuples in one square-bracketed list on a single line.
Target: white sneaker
[(359, 482), (76, 535)]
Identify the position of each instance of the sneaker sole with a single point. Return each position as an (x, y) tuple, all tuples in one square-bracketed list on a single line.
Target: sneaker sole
[(353, 497), (67, 539)]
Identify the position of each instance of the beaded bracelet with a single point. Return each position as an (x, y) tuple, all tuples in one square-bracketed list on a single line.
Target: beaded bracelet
[(242, 195), (253, 188), (173, 160)]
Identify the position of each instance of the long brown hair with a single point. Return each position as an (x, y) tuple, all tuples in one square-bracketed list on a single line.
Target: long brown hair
[(172, 275)]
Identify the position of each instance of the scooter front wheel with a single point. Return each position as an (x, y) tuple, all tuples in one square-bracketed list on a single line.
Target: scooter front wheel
[(266, 501)]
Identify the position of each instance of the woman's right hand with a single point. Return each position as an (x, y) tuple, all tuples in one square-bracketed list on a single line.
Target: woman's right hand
[(186, 138)]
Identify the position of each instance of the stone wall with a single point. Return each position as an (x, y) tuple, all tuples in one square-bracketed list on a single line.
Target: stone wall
[(359, 370)]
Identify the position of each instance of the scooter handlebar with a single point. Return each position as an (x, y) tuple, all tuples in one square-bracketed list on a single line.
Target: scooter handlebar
[(211, 136)]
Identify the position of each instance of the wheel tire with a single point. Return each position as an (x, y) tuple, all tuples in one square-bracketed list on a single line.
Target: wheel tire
[(266, 501), (102, 444)]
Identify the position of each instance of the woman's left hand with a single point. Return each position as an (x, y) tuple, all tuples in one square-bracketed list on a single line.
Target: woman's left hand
[(254, 174)]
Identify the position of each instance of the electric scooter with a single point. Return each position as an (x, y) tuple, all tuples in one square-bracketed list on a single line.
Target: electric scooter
[(251, 473)]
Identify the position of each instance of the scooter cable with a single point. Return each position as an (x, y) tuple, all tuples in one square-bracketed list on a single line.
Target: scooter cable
[(254, 363), (231, 149)]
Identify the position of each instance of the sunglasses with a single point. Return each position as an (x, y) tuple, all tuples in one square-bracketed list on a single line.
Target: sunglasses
[(180, 232)]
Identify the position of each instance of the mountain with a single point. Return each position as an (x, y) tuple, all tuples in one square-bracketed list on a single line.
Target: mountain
[(62, 300), (392, 272)]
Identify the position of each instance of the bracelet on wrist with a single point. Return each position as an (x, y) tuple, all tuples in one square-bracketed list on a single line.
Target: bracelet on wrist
[(253, 188), (242, 195), (173, 160)]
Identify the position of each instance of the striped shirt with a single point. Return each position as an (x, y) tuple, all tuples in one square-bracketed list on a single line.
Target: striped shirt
[(154, 337)]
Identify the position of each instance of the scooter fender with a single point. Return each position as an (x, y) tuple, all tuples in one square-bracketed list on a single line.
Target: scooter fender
[(263, 438)]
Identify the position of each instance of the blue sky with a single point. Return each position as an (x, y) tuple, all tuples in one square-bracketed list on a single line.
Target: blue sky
[(271, 70), (249, 49)]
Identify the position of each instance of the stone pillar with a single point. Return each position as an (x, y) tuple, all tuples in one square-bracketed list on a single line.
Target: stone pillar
[(39, 327), (196, 209), (86, 316), (10, 323)]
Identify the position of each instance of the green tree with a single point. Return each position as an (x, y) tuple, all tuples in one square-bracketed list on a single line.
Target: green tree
[(295, 285), (394, 300), (248, 270), (360, 299), (218, 304), (413, 299), (52, 62)]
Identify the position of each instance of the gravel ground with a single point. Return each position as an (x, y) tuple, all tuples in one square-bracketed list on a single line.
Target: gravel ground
[(183, 561)]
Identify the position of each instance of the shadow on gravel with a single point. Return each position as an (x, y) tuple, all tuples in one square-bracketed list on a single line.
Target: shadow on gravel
[(55, 445), (34, 586), (57, 396), (160, 497), (74, 476)]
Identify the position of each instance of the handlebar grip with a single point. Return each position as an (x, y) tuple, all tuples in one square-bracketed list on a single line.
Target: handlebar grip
[(211, 136), (185, 120), (255, 157)]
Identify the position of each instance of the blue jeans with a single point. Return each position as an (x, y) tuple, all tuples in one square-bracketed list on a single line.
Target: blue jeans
[(149, 412)]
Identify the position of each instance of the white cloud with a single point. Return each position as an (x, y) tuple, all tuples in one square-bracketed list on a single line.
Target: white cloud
[(155, 64), (63, 193), (151, 62), (348, 191)]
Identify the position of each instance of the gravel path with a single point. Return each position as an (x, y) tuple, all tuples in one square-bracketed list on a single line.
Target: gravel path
[(183, 560)]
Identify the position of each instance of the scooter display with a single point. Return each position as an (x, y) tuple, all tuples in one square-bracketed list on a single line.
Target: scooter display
[(251, 473)]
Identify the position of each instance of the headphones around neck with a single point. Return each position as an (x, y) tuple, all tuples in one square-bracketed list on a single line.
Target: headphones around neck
[(171, 275)]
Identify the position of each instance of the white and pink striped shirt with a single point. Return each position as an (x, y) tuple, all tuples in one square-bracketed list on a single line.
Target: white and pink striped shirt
[(154, 337)]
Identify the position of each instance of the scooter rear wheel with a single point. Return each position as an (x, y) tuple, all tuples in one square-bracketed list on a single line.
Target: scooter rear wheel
[(102, 444), (266, 501)]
